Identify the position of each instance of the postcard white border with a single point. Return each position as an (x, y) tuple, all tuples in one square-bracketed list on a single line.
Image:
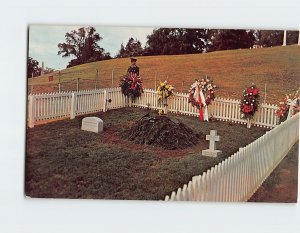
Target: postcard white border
[(19, 214)]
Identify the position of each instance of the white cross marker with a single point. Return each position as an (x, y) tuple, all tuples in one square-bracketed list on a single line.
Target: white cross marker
[(212, 138)]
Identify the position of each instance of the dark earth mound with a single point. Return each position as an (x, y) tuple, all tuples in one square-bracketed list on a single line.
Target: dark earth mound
[(162, 131)]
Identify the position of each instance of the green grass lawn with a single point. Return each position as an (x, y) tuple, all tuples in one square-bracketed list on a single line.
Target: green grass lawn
[(232, 70), (63, 161)]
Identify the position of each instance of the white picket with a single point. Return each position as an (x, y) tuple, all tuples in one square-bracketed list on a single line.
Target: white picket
[(57, 105)]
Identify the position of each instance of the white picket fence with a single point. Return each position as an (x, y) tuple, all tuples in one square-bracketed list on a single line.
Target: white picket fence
[(43, 107), (220, 108), (238, 177)]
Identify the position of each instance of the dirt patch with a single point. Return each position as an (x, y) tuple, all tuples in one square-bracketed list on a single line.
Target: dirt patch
[(113, 137), (159, 130)]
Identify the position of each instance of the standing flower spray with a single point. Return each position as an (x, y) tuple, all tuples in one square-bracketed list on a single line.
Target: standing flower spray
[(164, 91), (249, 103)]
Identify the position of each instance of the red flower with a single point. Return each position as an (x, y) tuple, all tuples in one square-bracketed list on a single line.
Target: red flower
[(255, 91), (249, 90), (247, 108)]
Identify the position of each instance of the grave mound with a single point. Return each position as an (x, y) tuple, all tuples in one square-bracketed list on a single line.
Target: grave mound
[(160, 130)]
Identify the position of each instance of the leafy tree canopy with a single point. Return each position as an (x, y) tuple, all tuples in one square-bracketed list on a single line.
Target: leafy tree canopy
[(268, 38), (83, 45), (133, 48), (231, 39), (33, 68), (164, 41)]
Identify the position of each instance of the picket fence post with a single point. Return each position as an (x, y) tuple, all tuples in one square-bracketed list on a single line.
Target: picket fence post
[(31, 110), (73, 106), (165, 106), (104, 100), (129, 102)]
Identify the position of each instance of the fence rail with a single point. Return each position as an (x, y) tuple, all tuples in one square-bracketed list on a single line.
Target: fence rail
[(238, 177), (70, 104)]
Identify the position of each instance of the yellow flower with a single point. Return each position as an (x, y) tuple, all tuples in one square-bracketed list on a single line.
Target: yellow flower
[(167, 86)]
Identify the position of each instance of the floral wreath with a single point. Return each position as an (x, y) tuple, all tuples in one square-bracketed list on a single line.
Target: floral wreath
[(131, 85), (207, 86), (164, 91), (250, 101)]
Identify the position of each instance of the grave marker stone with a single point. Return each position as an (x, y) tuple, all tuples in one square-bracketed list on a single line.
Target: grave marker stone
[(92, 124), (212, 138)]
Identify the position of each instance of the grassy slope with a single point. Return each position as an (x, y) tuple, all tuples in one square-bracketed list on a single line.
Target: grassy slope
[(279, 67)]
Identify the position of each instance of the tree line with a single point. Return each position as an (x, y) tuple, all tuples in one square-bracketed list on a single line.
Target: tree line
[(83, 44), (174, 41)]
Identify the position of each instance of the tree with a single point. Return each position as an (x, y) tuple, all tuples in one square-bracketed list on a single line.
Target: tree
[(164, 41), (82, 44), (231, 39), (292, 37), (268, 38), (133, 48), (197, 40), (122, 52), (33, 68), (48, 70)]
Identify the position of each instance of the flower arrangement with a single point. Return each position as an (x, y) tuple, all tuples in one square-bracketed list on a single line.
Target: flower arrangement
[(131, 86), (164, 90), (161, 112), (250, 101), (285, 104), (283, 110), (207, 86)]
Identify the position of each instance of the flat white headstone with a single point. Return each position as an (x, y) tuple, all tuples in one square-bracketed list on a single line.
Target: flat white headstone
[(92, 124), (212, 138)]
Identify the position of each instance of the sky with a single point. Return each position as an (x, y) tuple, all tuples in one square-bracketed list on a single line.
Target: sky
[(43, 40)]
